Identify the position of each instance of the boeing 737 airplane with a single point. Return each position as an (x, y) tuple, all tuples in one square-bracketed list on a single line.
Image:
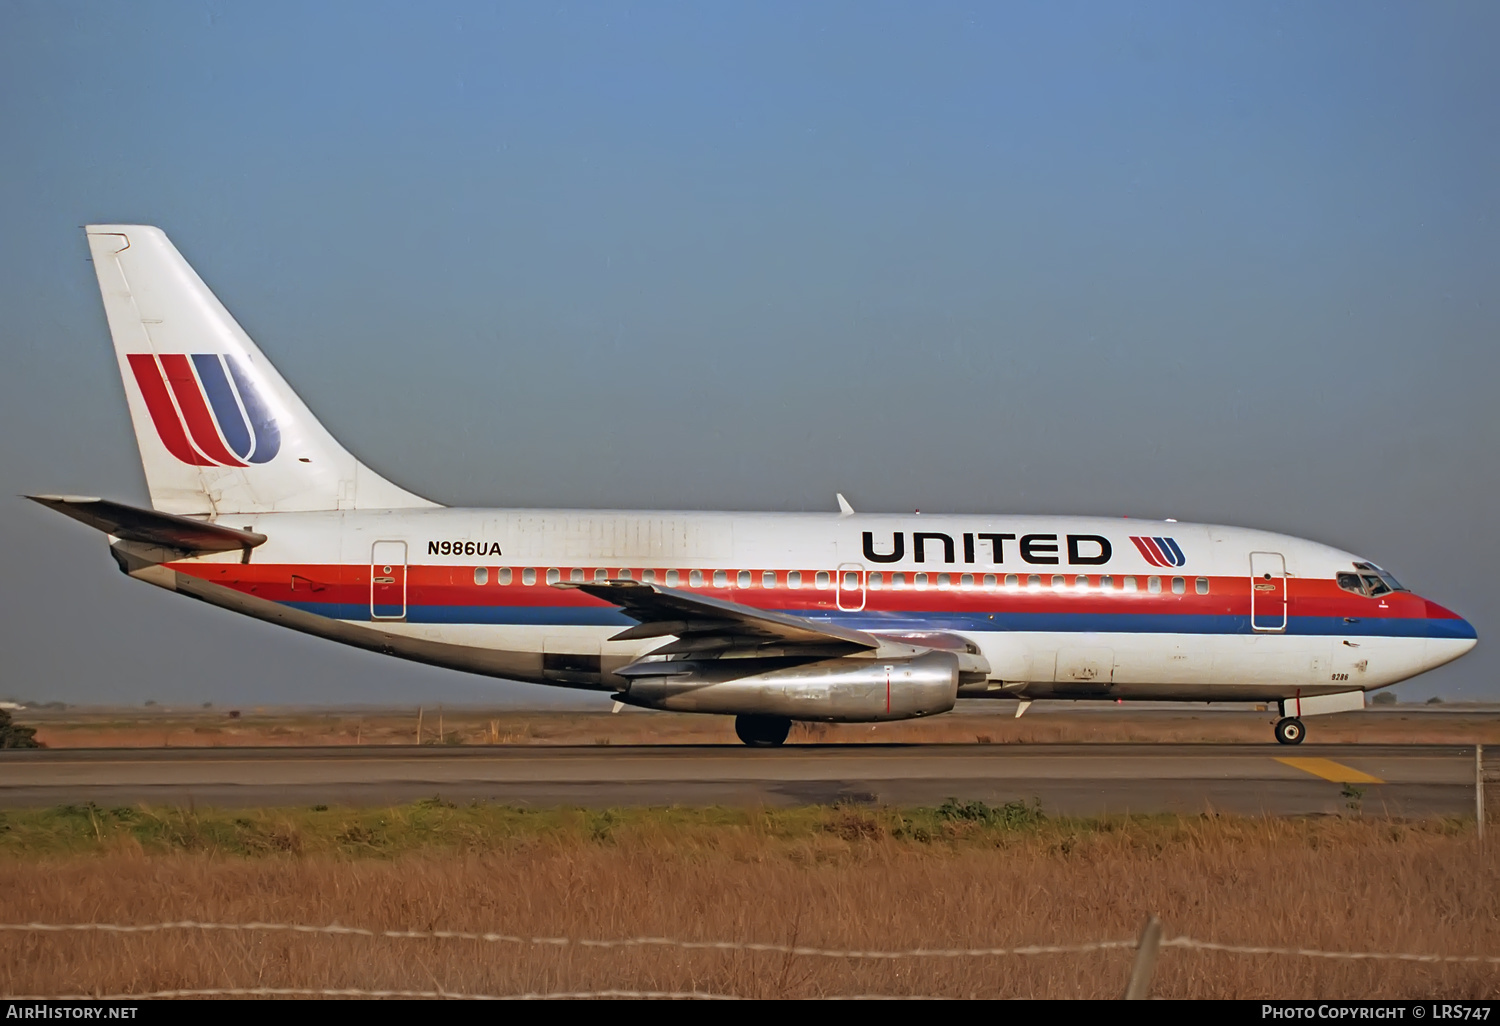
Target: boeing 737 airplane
[(770, 618)]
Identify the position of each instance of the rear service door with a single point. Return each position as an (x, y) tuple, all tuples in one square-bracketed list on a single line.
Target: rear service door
[(1267, 592), (388, 580)]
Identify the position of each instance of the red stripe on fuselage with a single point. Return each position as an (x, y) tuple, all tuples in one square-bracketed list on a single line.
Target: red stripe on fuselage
[(454, 586), (195, 410), (163, 413)]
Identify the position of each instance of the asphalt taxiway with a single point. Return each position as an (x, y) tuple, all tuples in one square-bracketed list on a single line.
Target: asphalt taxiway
[(1394, 780)]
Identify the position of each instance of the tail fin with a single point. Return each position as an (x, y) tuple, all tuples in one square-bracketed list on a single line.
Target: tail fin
[(218, 429)]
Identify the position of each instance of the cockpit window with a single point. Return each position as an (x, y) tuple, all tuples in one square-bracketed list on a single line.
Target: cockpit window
[(1374, 584), (1390, 582)]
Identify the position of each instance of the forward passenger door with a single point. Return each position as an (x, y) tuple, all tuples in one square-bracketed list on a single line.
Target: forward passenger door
[(1268, 598)]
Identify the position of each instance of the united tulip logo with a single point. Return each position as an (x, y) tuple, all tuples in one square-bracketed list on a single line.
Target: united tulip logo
[(206, 408), (1161, 552)]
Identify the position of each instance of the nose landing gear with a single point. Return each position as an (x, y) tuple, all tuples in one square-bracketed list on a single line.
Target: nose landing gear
[(1289, 731)]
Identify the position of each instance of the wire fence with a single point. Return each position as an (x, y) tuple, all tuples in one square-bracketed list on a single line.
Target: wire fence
[(624, 942), (353, 992), (1146, 947)]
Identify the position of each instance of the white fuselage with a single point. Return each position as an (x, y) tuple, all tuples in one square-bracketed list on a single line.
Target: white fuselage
[(1056, 606)]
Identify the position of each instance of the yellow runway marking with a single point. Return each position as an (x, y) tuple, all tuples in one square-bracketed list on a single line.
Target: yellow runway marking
[(1330, 770)]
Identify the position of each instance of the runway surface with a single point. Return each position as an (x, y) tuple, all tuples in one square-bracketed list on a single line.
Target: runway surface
[(1406, 780)]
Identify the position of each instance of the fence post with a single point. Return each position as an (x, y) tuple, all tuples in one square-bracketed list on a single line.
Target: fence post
[(1139, 986), (1479, 789)]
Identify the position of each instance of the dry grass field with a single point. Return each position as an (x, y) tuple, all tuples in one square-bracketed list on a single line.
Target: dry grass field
[(156, 727), (957, 876)]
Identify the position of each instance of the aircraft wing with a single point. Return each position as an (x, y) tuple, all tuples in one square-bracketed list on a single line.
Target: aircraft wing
[(150, 526), (703, 624)]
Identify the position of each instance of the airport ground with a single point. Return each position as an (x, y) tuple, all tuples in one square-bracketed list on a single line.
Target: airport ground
[(974, 722), (1066, 827), (1396, 781)]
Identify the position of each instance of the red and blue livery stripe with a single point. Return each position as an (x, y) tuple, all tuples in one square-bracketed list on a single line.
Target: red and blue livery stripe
[(449, 595)]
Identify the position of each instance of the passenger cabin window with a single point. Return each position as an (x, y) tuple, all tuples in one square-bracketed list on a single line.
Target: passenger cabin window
[(673, 578), (649, 576), (695, 578), (794, 579), (601, 574), (921, 580), (625, 574), (504, 575), (768, 579), (967, 580), (898, 581), (822, 578), (1081, 583), (1012, 581), (851, 580), (721, 578), (553, 575), (576, 574), (1179, 586), (944, 581), (743, 578), (528, 575), (1033, 580), (876, 581), (1130, 584), (1106, 582), (1153, 585), (991, 582), (1201, 586), (1059, 581), (481, 575)]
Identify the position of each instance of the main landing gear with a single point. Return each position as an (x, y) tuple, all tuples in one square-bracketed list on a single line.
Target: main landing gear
[(762, 731), (1289, 731)]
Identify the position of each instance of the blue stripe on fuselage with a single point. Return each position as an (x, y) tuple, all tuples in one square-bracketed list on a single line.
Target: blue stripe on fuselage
[(1059, 623)]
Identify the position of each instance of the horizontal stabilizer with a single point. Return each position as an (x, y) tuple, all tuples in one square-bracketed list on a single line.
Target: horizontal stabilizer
[(149, 526)]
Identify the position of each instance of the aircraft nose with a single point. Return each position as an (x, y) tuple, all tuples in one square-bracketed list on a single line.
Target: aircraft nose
[(1449, 624), (1448, 636)]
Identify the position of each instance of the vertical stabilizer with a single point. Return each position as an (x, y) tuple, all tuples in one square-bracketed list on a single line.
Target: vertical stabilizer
[(219, 431)]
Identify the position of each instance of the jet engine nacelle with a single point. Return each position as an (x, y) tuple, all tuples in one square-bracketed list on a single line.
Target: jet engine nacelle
[(834, 690)]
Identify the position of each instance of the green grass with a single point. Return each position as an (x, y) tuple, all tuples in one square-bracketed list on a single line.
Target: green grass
[(434, 826)]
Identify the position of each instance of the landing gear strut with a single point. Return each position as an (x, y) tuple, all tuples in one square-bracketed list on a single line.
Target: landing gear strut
[(762, 731), (1289, 731)]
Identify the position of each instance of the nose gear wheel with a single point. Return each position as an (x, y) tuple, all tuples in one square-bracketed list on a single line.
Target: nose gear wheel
[(1290, 731)]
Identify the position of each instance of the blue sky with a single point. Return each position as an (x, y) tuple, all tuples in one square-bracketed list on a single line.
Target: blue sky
[(1228, 262)]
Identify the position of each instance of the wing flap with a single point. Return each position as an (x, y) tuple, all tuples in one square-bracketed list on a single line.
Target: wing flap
[(663, 611)]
